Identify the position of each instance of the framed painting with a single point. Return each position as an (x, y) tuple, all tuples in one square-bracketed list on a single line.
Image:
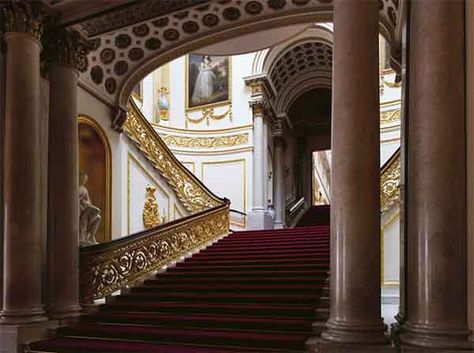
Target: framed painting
[(208, 81)]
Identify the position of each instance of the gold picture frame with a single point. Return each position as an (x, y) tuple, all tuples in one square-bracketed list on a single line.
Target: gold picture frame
[(214, 102)]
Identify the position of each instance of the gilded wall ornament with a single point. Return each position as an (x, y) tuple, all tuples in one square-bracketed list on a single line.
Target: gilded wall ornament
[(390, 116), (151, 212), (206, 142), (208, 114)]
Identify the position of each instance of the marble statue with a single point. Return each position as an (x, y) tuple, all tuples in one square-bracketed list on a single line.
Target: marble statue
[(89, 215)]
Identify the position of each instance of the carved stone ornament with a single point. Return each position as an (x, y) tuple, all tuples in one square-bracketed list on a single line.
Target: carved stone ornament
[(151, 212), (25, 17), (67, 47)]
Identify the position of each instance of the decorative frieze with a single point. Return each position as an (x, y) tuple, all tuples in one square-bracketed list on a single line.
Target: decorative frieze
[(390, 116), (206, 142)]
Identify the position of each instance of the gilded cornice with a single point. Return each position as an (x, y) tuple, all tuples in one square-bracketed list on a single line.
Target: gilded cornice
[(66, 47), (390, 183), (193, 194), (206, 142), (24, 17)]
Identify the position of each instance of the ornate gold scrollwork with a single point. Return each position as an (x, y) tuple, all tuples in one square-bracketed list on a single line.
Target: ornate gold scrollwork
[(208, 115), (206, 142), (192, 193), (390, 183), (151, 212), (106, 269)]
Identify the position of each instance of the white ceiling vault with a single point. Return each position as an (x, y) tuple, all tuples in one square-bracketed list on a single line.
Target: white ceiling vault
[(129, 39)]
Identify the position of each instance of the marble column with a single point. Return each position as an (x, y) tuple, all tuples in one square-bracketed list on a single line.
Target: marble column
[(257, 215), (2, 120), (265, 164), (66, 55), (436, 254), (279, 178), (22, 284), (355, 316), (470, 158)]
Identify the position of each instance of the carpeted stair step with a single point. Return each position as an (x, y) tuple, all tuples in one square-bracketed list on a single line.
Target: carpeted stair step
[(229, 338), (243, 273), (241, 279), (250, 267), (241, 322), (226, 287), (251, 309), (263, 256), (215, 297), (94, 345)]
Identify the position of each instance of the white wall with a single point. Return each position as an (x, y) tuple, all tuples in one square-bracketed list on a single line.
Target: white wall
[(131, 172)]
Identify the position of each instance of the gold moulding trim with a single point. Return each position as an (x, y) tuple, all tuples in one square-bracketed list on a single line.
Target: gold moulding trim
[(194, 196), (105, 271), (208, 114), (390, 116), (390, 184), (206, 142)]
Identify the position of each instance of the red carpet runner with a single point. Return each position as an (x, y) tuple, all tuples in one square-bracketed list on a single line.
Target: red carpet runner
[(254, 291)]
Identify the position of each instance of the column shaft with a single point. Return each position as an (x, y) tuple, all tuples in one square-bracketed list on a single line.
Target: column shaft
[(436, 237), (63, 205), (265, 165), (470, 157), (355, 211), (279, 193), (258, 177), (22, 301)]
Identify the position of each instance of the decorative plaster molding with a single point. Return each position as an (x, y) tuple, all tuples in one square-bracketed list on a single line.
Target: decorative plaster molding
[(206, 142)]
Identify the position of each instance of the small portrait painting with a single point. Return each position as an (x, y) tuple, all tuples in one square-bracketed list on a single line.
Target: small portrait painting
[(208, 80)]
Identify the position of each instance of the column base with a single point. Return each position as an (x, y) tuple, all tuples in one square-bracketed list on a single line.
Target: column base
[(279, 225), (348, 333), (65, 313), (14, 338), (424, 338), (259, 219), (319, 345), (20, 317)]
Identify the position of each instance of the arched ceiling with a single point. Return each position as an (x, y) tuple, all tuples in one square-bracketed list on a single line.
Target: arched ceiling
[(148, 33), (311, 112), (298, 61)]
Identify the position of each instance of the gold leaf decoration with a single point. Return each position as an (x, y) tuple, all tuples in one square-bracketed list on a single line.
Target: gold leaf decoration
[(390, 116), (151, 212), (206, 142), (390, 183), (208, 114)]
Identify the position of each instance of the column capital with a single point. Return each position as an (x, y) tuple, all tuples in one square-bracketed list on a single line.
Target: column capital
[(23, 17), (65, 47)]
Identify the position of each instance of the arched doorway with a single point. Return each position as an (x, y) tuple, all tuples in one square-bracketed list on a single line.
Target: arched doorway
[(95, 161)]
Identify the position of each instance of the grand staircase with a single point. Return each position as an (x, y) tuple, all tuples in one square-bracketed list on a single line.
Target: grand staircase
[(253, 291)]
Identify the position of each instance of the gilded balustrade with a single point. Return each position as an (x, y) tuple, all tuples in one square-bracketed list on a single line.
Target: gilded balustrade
[(106, 268), (191, 192), (390, 182)]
